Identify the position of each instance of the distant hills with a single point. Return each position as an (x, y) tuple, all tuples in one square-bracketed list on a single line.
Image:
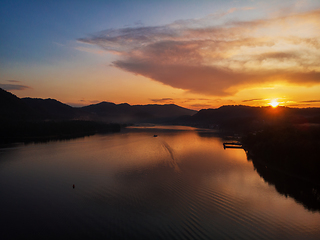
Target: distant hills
[(14, 108), (106, 111), (241, 118), (246, 118)]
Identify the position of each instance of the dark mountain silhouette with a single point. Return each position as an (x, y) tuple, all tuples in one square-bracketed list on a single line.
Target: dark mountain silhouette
[(12, 107), (53, 109), (245, 118), (37, 109), (165, 111), (35, 119), (110, 112), (235, 118), (125, 113)]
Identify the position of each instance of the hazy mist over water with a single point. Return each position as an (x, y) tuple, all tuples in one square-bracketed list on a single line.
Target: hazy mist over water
[(181, 184)]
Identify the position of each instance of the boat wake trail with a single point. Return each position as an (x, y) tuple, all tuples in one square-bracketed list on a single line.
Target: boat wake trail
[(173, 161)]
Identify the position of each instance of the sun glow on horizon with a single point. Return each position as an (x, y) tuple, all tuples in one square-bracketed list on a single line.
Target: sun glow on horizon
[(274, 103)]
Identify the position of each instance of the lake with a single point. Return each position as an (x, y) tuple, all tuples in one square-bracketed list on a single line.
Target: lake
[(180, 184)]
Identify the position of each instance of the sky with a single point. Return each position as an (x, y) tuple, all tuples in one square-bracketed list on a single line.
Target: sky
[(196, 54)]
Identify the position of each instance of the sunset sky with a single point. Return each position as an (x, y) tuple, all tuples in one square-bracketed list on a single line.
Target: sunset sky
[(196, 54)]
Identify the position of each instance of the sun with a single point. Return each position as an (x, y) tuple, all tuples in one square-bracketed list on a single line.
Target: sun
[(274, 103)]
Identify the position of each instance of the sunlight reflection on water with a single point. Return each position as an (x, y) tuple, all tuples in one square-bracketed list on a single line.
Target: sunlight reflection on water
[(180, 184)]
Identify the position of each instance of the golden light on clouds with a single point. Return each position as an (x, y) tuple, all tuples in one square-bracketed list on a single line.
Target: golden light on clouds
[(202, 57)]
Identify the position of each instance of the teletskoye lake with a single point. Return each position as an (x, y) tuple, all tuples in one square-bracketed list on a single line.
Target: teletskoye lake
[(144, 183)]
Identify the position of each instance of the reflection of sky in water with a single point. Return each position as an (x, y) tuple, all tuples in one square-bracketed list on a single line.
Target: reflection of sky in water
[(176, 183)]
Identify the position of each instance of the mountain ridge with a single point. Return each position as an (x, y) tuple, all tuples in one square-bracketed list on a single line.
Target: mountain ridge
[(125, 112), (233, 117), (247, 118), (14, 108)]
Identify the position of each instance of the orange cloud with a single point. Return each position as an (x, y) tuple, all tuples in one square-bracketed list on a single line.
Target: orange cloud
[(202, 57)]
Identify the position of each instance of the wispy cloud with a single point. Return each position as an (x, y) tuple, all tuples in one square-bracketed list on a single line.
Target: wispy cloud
[(311, 101), (10, 87), (163, 100), (91, 50), (252, 100), (58, 44), (13, 81), (201, 56)]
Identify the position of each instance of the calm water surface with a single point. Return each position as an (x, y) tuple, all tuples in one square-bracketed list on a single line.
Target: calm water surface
[(132, 185)]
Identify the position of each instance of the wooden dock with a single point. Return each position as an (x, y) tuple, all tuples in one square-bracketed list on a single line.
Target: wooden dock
[(232, 145)]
